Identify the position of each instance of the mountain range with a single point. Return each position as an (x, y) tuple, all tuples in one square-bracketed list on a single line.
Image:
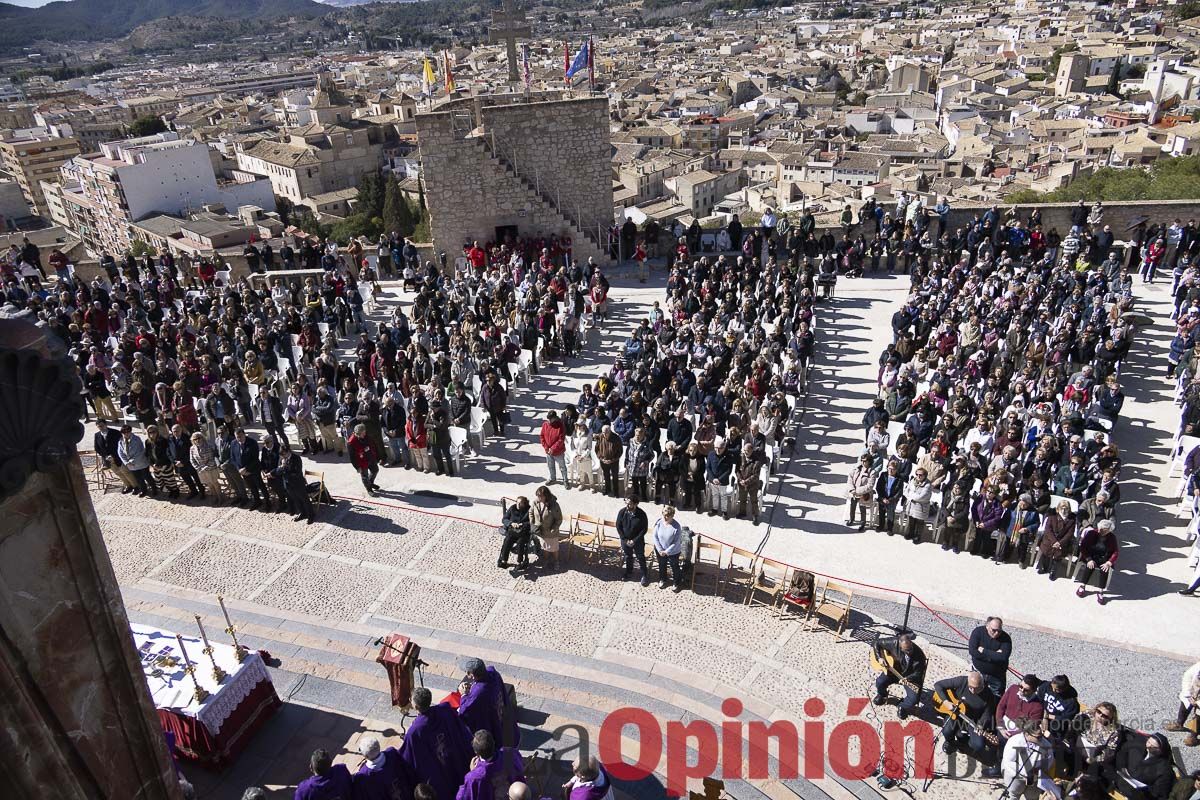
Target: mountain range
[(95, 20)]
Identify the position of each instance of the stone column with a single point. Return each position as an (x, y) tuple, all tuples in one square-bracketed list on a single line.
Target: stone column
[(76, 718)]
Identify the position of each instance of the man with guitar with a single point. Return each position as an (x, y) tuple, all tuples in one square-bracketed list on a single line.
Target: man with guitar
[(899, 661), (969, 707)]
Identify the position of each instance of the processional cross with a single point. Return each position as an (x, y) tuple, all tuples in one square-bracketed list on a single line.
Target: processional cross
[(508, 25)]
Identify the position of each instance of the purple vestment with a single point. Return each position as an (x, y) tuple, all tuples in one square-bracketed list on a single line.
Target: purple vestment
[(390, 781), (593, 790), (437, 750), (489, 780), (333, 785), (482, 709)]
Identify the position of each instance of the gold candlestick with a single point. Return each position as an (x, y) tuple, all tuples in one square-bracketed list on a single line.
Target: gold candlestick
[(217, 673), (231, 629), (201, 694)]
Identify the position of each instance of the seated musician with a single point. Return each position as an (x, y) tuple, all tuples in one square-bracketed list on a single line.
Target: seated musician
[(973, 728), (906, 662)]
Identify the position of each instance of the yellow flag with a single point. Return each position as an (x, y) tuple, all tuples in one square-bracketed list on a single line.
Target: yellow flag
[(428, 79)]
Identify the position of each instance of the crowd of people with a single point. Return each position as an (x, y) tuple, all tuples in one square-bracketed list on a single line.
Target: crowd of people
[(997, 395), (698, 399), (1037, 732)]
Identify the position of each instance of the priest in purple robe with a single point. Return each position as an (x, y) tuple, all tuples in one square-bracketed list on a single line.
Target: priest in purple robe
[(590, 782), (437, 747), (495, 770), (483, 705), (384, 776), (329, 781)]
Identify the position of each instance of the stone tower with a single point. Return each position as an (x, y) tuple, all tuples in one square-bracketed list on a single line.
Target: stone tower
[(533, 165)]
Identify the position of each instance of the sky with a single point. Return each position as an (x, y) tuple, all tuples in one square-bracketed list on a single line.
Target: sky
[(27, 3)]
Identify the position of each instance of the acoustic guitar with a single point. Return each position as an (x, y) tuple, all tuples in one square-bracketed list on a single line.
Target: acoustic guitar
[(883, 661), (956, 709)]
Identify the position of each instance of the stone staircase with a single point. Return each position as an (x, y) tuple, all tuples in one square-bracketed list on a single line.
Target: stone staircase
[(585, 241), (333, 692)]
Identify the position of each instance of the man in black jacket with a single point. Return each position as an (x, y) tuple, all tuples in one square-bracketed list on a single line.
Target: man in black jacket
[(105, 443), (180, 444), (908, 661), (392, 420), (632, 525), (991, 647), (250, 468), (268, 459), (980, 707), (517, 531), (460, 410), (291, 472)]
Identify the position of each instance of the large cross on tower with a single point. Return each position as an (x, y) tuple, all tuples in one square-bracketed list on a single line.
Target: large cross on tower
[(508, 25)]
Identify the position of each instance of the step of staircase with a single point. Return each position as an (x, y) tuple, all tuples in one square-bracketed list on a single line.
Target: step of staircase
[(334, 690)]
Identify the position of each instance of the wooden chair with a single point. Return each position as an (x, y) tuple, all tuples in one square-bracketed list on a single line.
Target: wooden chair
[(770, 580), (800, 593), (608, 545), (99, 477), (582, 534), (739, 570), (319, 477), (718, 550), (834, 602)]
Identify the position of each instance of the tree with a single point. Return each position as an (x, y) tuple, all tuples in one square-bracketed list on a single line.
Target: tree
[(397, 214), (1114, 80), (147, 126), (139, 248)]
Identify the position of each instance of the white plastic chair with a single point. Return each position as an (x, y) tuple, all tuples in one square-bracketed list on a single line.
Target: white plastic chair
[(524, 365), (478, 418), (458, 438), (222, 277), (1055, 499)]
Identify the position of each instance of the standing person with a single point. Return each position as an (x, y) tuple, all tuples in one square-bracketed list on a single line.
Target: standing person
[(608, 450), (493, 770), (990, 647), (364, 458), (545, 515), (162, 467), (518, 527), (132, 454), (718, 472), (589, 781), (859, 488), (668, 545), (638, 456), (582, 466), (291, 472), (300, 414), (383, 774), (494, 399), (329, 781), (180, 446), (666, 474), (439, 439), (1189, 698), (204, 462), (250, 467), (437, 745), (417, 436), (693, 466), (749, 484), (553, 438), (393, 422), (632, 525), (270, 412), (918, 494)]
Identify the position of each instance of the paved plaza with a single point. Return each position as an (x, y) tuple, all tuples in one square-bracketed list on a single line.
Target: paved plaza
[(580, 642)]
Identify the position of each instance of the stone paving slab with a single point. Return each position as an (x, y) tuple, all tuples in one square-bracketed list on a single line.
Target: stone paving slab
[(135, 547), (221, 565), (325, 588), (438, 604)]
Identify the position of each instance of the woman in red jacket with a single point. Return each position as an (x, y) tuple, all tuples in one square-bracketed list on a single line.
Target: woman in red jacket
[(364, 458), (417, 436)]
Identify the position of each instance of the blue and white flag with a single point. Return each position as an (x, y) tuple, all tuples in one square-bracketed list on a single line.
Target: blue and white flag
[(581, 60)]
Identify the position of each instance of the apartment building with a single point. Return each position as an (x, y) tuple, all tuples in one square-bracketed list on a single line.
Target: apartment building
[(32, 158), (130, 180)]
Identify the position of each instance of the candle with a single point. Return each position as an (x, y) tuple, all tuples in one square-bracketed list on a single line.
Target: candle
[(187, 662), (203, 635), (228, 622)]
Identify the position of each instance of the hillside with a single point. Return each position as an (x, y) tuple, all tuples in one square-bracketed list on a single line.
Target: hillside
[(94, 20)]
